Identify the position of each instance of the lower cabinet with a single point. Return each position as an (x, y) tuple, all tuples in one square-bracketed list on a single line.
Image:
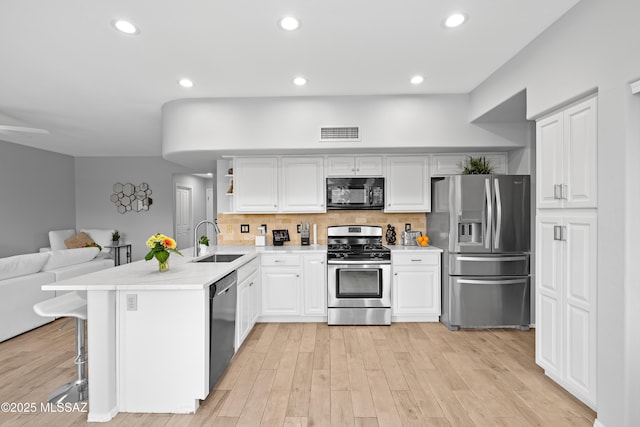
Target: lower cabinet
[(415, 295), (248, 305), (294, 287), (566, 284)]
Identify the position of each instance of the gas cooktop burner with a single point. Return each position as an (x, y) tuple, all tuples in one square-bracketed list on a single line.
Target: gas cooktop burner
[(339, 247)]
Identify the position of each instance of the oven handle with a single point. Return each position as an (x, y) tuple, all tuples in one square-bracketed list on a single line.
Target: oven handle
[(360, 262)]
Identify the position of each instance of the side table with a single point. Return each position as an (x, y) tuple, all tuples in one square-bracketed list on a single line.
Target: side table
[(116, 252)]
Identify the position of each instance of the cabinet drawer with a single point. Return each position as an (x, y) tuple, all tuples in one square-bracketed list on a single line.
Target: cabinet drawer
[(416, 258), (280, 260), (247, 269)]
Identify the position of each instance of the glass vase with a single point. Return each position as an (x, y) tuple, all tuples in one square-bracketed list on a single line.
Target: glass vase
[(163, 266)]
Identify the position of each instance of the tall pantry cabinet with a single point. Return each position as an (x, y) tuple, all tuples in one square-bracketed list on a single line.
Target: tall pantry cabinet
[(566, 248)]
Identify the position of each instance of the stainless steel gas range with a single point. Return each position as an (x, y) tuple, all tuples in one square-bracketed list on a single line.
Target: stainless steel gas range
[(358, 276)]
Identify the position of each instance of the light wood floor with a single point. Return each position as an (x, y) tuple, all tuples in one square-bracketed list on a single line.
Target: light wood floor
[(315, 375)]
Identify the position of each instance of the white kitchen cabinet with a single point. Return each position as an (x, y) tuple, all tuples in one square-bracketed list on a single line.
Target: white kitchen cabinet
[(415, 295), (255, 184), (248, 304), (354, 166), (566, 157), (453, 164), (281, 285), (566, 278), (408, 184), (315, 284), (302, 184)]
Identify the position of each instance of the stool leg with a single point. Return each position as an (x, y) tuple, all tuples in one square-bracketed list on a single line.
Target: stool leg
[(78, 390)]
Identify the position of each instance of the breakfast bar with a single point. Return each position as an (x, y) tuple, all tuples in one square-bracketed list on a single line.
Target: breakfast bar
[(141, 322)]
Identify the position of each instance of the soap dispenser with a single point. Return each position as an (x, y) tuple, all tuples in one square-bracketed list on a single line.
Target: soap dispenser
[(261, 239)]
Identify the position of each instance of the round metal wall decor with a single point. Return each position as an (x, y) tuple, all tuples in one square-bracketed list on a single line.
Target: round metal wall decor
[(131, 198)]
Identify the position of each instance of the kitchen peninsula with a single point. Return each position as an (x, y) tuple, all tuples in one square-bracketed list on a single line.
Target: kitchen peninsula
[(142, 322)]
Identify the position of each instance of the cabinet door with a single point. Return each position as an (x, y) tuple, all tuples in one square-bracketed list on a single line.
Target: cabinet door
[(580, 155), (580, 305), (341, 166), (416, 290), (256, 184), (315, 284), (408, 187), (302, 185), (242, 314), (453, 164), (549, 261), (368, 166), (280, 291), (549, 161)]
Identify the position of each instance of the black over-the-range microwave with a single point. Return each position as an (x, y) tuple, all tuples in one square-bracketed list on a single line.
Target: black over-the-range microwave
[(355, 193)]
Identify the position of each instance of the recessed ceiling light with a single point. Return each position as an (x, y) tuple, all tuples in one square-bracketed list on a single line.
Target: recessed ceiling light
[(299, 81), (416, 80), (125, 27), (289, 23), (185, 83), (455, 20)]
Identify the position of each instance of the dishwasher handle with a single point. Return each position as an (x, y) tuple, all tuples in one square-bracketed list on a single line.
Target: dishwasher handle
[(223, 285)]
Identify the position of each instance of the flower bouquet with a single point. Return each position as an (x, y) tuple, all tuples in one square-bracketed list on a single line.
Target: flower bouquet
[(160, 246)]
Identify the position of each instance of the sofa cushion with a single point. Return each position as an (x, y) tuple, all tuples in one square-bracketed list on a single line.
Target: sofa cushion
[(65, 257), (101, 237), (70, 271), (21, 265), (80, 240), (57, 238)]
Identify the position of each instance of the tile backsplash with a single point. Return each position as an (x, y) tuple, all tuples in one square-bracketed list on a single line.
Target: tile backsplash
[(230, 224)]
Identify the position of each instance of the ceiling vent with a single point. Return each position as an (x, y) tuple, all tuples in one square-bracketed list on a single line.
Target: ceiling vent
[(339, 133)]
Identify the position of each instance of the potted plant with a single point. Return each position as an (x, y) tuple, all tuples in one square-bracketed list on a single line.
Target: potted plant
[(477, 166), (204, 244), (115, 238)]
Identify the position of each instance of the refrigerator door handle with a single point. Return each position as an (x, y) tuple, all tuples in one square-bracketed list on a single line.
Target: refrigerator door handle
[(491, 259), (491, 282), (498, 214), (489, 202)]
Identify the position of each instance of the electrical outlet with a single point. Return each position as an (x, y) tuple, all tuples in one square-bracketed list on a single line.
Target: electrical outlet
[(265, 228), (244, 228), (299, 226), (407, 227), (132, 302)]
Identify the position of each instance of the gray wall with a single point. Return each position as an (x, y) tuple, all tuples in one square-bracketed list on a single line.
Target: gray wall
[(594, 47), (199, 194), (95, 177), (36, 195)]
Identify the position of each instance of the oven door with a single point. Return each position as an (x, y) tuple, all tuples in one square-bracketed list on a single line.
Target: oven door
[(359, 284)]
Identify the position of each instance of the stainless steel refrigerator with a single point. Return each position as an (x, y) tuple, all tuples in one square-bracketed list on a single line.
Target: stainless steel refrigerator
[(483, 223)]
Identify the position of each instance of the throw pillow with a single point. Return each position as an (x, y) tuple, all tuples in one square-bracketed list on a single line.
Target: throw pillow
[(80, 240), (57, 238), (22, 265), (65, 257), (101, 237)]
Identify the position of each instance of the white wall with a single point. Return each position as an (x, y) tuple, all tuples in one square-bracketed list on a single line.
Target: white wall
[(196, 127), (595, 46), (94, 179), (36, 195)]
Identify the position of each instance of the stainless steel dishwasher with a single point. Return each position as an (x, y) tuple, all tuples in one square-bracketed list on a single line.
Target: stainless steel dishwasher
[(222, 311)]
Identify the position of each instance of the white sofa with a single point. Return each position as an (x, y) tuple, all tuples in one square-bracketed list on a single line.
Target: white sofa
[(22, 277)]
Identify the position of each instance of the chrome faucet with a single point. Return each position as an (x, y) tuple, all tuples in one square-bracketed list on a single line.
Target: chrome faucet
[(195, 233)]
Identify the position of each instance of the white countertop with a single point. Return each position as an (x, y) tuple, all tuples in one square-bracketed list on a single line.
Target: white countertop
[(401, 248), (183, 274)]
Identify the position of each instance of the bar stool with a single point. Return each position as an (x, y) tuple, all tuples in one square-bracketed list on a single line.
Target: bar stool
[(71, 304)]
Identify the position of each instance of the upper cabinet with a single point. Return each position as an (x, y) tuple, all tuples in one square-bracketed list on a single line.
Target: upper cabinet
[(263, 185), (256, 184), (407, 183), (354, 165), (566, 157), (302, 184), (453, 164)]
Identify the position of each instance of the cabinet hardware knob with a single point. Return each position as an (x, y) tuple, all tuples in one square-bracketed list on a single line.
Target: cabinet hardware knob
[(251, 284), (297, 275), (395, 274)]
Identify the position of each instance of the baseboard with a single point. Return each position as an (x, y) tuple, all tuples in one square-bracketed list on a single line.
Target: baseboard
[(597, 423), (93, 417)]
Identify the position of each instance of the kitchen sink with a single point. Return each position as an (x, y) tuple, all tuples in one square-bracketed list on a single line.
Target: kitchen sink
[(220, 258)]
